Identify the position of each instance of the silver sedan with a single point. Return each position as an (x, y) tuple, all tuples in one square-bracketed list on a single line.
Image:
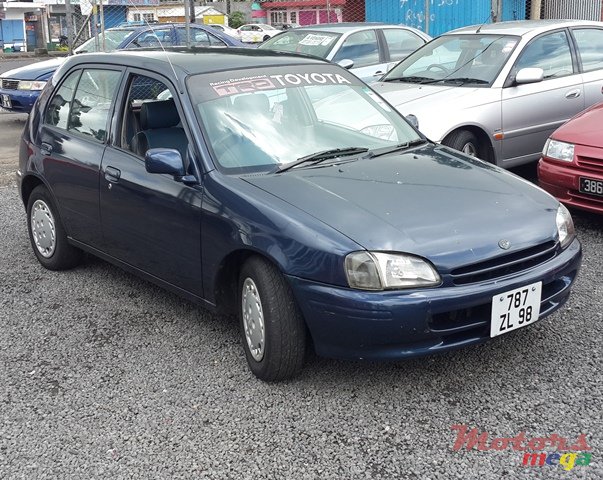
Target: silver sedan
[(498, 91)]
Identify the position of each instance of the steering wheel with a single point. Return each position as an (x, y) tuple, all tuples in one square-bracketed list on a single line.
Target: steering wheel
[(437, 66)]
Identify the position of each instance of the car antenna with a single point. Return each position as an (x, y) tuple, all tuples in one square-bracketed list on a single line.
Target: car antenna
[(146, 22), (490, 16)]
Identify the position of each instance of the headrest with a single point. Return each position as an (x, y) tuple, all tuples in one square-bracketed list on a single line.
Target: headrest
[(252, 103), (160, 114)]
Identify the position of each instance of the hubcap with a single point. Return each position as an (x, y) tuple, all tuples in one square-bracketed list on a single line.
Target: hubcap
[(253, 319), (470, 149), (43, 228)]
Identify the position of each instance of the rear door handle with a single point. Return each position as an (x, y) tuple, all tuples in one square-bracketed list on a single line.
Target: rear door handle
[(112, 174), (45, 148), (378, 74), (573, 93)]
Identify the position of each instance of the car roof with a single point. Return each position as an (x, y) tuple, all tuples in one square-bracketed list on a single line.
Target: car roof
[(347, 26), (523, 27), (196, 60)]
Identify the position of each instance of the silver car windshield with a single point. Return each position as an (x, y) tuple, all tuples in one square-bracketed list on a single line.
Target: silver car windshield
[(315, 43), (269, 120), (473, 60)]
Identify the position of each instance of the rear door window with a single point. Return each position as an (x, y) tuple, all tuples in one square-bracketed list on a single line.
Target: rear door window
[(83, 102), (401, 43), (590, 46)]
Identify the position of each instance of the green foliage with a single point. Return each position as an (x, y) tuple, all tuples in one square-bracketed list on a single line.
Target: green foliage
[(236, 19)]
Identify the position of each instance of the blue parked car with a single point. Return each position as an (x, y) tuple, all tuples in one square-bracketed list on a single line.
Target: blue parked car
[(19, 88), (227, 176)]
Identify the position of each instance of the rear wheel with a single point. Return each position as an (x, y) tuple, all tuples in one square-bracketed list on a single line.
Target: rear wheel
[(46, 233), (266, 37), (466, 142), (272, 326)]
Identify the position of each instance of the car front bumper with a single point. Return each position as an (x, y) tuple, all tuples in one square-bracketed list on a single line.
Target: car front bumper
[(21, 101), (563, 182), (390, 325)]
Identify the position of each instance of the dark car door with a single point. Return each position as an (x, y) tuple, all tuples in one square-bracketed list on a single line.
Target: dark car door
[(72, 141), (150, 221)]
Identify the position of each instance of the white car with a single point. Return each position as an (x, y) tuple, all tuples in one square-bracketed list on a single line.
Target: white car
[(233, 32), (257, 32)]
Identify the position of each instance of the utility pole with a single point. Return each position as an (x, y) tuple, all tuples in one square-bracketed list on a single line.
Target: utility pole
[(191, 9), (69, 18), (535, 7)]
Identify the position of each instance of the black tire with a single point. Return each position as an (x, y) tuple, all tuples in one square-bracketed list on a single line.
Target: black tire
[(266, 37), (53, 255), (466, 142), (284, 339)]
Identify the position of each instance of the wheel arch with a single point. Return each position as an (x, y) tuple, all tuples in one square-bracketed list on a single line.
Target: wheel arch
[(28, 184), (482, 137)]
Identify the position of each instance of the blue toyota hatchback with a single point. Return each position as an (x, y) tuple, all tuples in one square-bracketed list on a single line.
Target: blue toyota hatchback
[(230, 178), (20, 87)]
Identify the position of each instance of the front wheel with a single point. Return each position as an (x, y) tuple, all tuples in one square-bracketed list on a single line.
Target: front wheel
[(46, 233), (466, 142), (272, 326)]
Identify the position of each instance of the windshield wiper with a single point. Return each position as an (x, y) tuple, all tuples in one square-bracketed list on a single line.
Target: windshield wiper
[(463, 80), (318, 157), (396, 148), (411, 79)]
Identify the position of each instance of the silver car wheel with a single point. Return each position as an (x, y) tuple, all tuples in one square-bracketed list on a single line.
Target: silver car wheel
[(43, 228), (470, 149), (253, 319)]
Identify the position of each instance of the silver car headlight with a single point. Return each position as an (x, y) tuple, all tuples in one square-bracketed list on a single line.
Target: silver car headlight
[(384, 271), (31, 85), (558, 150)]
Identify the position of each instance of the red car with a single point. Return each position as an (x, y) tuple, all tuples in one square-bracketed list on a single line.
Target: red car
[(571, 167)]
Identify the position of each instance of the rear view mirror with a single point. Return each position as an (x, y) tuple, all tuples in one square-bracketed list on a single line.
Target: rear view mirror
[(529, 75), (346, 63)]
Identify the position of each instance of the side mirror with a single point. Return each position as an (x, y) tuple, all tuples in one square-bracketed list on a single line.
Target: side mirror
[(164, 160), (529, 75), (346, 63), (168, 160), (413, 120)]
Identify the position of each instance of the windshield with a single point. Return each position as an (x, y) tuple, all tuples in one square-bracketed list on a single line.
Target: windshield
[(318, 44), (279, 115), (113, 39), (464, 59)]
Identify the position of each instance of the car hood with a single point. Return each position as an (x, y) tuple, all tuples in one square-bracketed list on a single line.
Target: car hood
[(35, 70), (586, 128), (412, 96), (432, 202)]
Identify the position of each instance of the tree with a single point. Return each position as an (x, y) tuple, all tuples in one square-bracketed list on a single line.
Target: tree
[(236, 19)]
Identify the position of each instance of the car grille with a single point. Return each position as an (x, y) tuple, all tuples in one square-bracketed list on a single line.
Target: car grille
[(9, 84), (590, 163), (504, 265)]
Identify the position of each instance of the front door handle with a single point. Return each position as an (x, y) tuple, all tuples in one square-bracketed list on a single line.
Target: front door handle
[(45, 148), (112, 174), (573, 93), (378, 74)]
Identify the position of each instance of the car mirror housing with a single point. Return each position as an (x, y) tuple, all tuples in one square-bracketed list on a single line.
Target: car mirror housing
[(164, 160), (346, 63), (529, 75)]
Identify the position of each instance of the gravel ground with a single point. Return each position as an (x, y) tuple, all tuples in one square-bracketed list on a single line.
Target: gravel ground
[(106, 376)]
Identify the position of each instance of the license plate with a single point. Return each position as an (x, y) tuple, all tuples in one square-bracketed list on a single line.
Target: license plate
[(6, 103), (591, 186), (515, 309)]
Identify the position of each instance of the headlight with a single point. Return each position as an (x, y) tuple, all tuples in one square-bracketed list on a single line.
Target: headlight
[(381, 271), (558, 150), (31, 85), (565, 226)]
